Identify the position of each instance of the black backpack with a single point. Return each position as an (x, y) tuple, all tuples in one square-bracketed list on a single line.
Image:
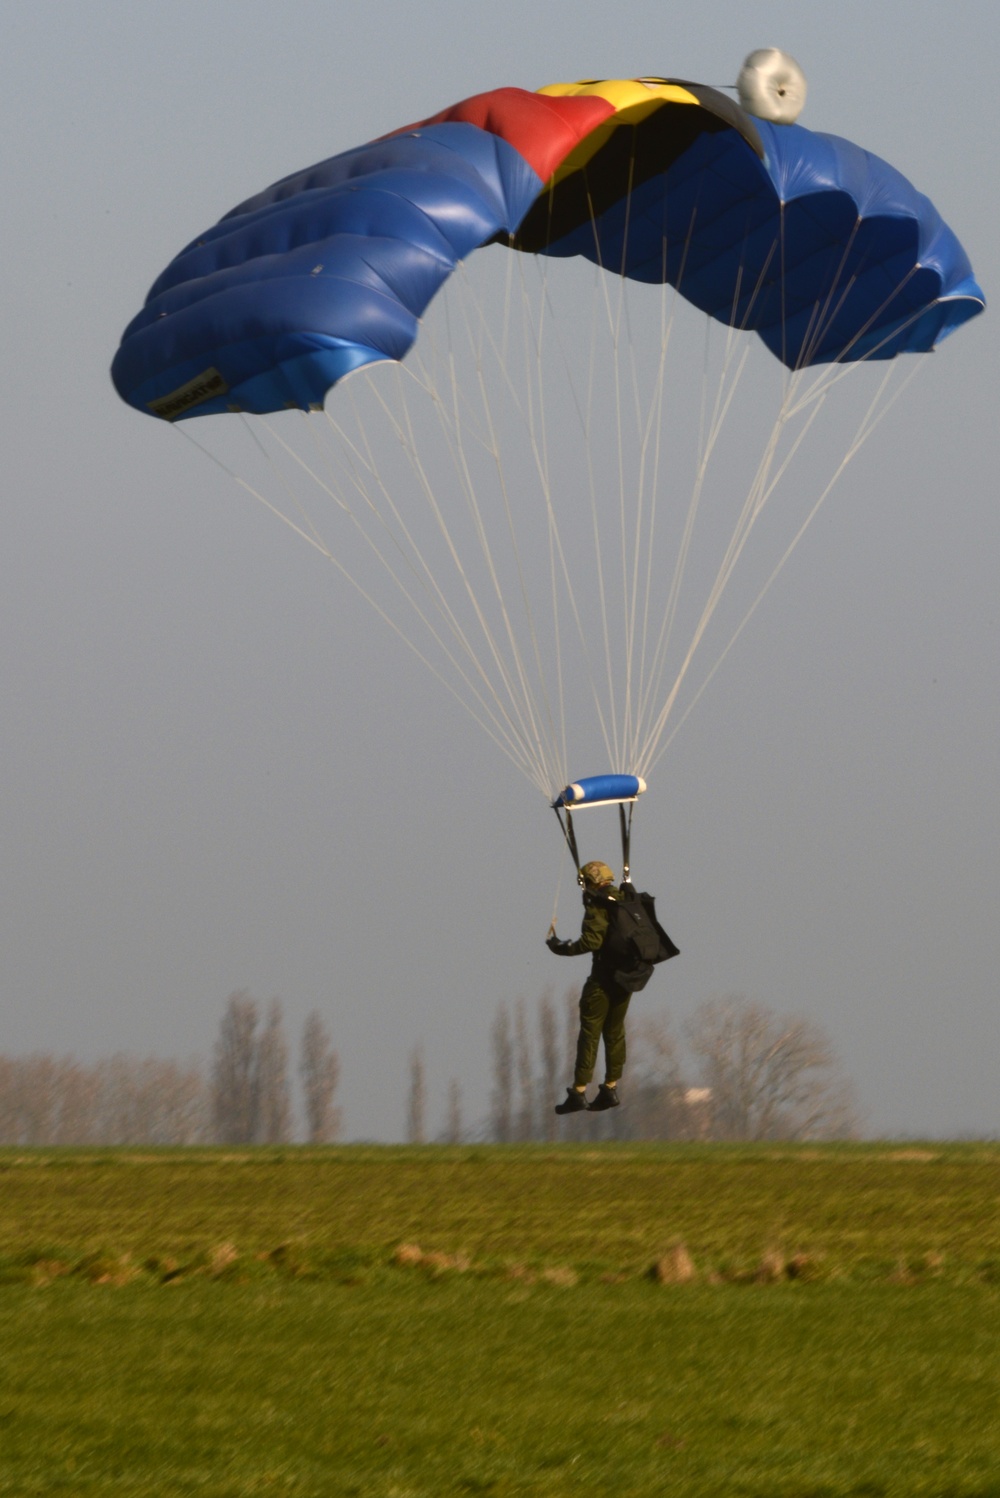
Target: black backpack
[(635, 941)]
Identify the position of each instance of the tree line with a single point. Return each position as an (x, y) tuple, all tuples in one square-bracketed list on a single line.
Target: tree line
[(737, 1070), (242, 1097)]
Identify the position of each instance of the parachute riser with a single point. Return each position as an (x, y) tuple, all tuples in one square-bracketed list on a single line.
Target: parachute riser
[(569, 833), (625, 824)]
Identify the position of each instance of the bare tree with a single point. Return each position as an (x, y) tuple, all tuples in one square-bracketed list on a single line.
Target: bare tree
[(453, 1125), (548, 1080), (416, 1103), (770, 1076), (571, 1018), (234, 1072), (121, 1100), (78, 1103), (118, 1106), (175, 1102), (274, 1107), (319, 1069), (146, 1100), (502, 1075), (524, 1123), (30, 1098), (656, 1092)]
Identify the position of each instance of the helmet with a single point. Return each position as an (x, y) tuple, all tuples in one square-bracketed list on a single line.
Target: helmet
[(597, 873)]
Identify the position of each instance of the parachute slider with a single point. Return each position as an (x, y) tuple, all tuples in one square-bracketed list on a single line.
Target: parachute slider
[(600, 790)]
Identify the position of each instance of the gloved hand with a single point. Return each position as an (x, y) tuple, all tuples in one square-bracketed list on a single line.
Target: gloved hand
[(555, 945)]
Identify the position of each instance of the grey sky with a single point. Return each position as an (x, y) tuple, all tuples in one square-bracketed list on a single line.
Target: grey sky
[(219, 772)]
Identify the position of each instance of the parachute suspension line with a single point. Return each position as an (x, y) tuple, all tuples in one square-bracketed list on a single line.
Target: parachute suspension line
[(424, 579), (584, 414), (628, 547), (536, 333), (492, 447), (669, 296), (555, 557), (307, 519), (541, 466), (628, 583), (831, 374), (872, 418), (611, 724), (554, 531), (764, 486), (614, 333), (658, 664), (725, 392), (570, 836), (610, 695), (519, 696), (706, 443), (422, 573), (838, 372), (824, 312), (650, 674), (244, 484), (549, 759), (404, 432), (758, 491), (643, 529), (757, 494), (452, 429), (255, 493), (508, 301), (783, 292)]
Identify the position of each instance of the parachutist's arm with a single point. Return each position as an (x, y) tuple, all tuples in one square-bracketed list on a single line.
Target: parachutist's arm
[(592, 934), (554, 944)]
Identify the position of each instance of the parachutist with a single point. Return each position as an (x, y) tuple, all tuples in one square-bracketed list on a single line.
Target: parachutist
[(604, 1002), (621, 931)]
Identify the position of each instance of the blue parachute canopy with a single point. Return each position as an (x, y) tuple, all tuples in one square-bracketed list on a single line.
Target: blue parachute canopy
[(600, 790), (822, 249)]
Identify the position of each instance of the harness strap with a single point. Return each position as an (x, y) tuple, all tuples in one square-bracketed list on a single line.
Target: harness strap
[(626, 830)]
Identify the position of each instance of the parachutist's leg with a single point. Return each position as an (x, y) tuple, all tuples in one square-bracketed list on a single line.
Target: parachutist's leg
[(593, 1014), (613, 1032), (614, 1035)]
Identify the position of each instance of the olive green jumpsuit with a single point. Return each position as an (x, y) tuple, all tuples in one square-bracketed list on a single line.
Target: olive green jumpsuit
[(603, 1004)]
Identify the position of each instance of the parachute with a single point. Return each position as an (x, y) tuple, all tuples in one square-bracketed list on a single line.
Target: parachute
[(537, 575), (821, 248)]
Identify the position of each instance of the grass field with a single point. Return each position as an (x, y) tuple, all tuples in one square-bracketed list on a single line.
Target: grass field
[(408, 1322)]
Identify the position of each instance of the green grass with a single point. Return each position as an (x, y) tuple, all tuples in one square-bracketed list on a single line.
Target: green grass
[(473, 1386), (856, 1210), (236, 1323)]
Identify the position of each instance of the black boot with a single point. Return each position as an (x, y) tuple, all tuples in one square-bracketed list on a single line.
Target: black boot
[(607, 1097), (576, 1102)]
